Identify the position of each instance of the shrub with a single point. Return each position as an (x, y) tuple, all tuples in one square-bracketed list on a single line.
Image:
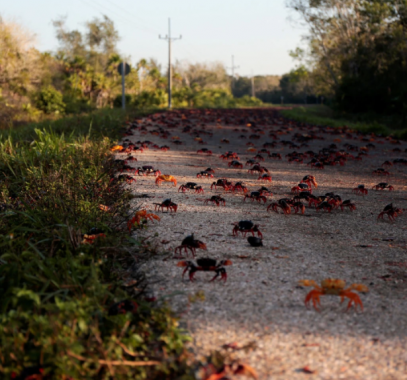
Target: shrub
[(117, 102), (49, 100), (148, 99)]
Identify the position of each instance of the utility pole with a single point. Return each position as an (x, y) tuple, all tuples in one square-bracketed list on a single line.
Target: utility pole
[(253, 93), (169, 39), (123, 86), (233, 67)]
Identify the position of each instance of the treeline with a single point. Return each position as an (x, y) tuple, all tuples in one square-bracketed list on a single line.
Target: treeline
[(292, 88), (357, 53), (82, 75)]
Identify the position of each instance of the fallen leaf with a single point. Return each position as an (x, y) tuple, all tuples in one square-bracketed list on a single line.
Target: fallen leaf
[(243, 257), (275, 248), (165, 241)]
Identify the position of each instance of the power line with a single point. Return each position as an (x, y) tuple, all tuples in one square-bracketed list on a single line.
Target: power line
[(132, 15), (110, 11), (169, 39)]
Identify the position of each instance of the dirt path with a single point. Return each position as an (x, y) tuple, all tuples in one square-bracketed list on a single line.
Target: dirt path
[(261, 301)]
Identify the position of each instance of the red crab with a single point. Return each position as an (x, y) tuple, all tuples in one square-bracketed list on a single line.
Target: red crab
[(147, 170), (276, 156), (283, 204), (129, 158), (361, 189), (224, 183), (191, 186), (210, 170), (265, 191), (204, 174), (239, 186), (310, 181), (258, 169), (192, 244), (168, 204), (207, 265), (235, 164), (256, 195), (229, 155), (217, 199), (301, 187), (164, 148), (380, 171), (258, 157), (298, 207), (383, 186), (348, 203), (317, 165), (391, 212), (265, 177), (124, 177), (387, 163), (325, 206), (252, 162), (245, 226), (205, 151)]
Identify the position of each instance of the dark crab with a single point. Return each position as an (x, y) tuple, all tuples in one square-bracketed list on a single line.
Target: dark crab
[(206, 265), (191, 186), (168, 204), (192, 244), (255, 195), (216, 199), (245, 226)]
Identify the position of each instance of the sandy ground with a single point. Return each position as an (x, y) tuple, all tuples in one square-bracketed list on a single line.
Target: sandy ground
[(262, 301)]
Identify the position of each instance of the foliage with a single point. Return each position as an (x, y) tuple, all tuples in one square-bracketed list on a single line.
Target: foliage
[(358, 52), (55, 289), (147, 99), (49, 100), (323, 115)]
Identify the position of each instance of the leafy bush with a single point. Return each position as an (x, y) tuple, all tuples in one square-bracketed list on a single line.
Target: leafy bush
[(148, 99), (117, 102), (49, 100), (76, 105), (248, 101)]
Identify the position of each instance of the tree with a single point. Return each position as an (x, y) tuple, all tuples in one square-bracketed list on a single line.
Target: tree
[(358, 50)]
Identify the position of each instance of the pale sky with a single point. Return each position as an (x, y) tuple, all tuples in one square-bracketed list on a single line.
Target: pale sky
[(257, 32)]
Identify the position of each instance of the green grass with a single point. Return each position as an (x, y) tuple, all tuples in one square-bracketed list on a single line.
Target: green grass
[(55, 290), (323, 115)]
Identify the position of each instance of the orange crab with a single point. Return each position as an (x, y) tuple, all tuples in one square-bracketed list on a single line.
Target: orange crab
[(140, 217), (335, 287), (116, 147), (165, 178)]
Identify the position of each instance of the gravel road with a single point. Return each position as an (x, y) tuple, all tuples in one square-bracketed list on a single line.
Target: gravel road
[(261, 300)]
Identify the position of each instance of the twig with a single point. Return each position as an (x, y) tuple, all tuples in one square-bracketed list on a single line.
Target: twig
[(117, 362)]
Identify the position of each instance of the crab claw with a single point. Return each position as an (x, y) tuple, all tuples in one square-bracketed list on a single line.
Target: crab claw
[(360, 288), (307, 283), (201, 245), (182, 264), (244, 369)]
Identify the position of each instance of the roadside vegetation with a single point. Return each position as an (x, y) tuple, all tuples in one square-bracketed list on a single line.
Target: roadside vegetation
[(326, 116), (57, 286)]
